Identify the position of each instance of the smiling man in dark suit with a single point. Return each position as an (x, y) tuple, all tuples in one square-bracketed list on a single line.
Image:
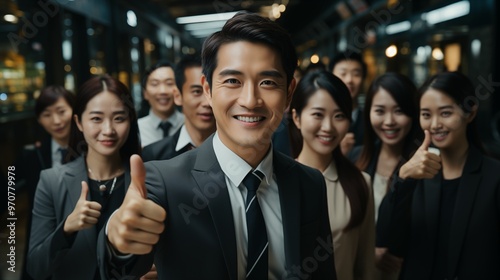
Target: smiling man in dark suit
[(199, 215), (199, 122)]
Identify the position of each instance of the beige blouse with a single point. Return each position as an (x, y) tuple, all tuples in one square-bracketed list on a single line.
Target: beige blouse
[(354, 249)]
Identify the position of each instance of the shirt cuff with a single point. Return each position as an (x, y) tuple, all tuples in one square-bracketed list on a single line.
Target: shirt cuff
[(114, 253)]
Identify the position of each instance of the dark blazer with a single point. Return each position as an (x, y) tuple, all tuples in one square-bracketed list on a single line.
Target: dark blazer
[(199, 240), (474, 242), (383, 226), (163, 149), (33, 159), (355, 153), (281, 137), (51, 253), (357, 127)]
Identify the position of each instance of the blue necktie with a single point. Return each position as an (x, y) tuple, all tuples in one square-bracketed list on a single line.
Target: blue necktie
[(257, 259)]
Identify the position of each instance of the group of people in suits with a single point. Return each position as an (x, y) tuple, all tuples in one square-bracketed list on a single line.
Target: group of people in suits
[(107, 215)]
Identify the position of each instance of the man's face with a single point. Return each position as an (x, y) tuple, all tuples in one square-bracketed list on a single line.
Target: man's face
[(351, 73), (159, 91), (248, 96), (198, 113)]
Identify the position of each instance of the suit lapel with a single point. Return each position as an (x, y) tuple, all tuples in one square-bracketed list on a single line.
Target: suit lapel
[(471, 179), (206, 172), (45, 154), (289, 194)]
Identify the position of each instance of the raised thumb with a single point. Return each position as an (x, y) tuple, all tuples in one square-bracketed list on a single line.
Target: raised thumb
[(427, 141), (138, 175), (85, 190)]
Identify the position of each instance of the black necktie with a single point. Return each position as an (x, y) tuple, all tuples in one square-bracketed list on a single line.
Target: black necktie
[(257, 260), (64, 153), (165, 126), (186, 148)]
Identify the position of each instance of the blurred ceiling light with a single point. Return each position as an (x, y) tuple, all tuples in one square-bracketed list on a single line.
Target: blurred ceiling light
[(10, 18), (67, 50), (475, 47), (131, 19), (314, 58), (206, 25), (449, 12), (205, 18), (437, 54), (391, 51), (204, 32), (398, 27)]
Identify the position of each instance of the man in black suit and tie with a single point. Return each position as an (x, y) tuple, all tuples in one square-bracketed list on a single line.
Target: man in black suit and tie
[(199, 122), (231, 208)]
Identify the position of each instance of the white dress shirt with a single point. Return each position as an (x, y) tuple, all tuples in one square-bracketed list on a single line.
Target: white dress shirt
[(55, 153), (235, 169), (150, 130), (184, 139)]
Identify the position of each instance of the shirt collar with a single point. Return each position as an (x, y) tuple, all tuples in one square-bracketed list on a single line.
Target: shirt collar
[(355, 114), (54, 146), (156, 120), (184, 139), (235, 168), (331, 173)]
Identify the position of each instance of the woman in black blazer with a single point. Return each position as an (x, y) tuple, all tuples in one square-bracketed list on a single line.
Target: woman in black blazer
[(73, 202), (446, 202), (53, 111), (391, 127)]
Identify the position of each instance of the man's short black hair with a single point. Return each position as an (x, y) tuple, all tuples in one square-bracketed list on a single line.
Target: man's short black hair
[(152, 68), (186, 61), (348, 55), (252, 28)]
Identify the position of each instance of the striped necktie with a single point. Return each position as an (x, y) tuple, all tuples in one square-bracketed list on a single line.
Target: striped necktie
[(257, 259)]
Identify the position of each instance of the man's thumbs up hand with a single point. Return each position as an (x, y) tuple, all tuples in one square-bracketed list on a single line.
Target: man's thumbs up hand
[(136, 226)]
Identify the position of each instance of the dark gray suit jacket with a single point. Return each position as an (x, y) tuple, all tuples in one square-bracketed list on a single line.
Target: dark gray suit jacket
[(163, 149), (474, 243), (51, 253), (199, 240)]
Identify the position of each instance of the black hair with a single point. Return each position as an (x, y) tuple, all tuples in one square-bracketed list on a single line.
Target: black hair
[(49, 96), (348, 55), (255, 29), (91, 88), (351, 179), (186, 61), (460, 88), (152, 68), (404, 92)]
